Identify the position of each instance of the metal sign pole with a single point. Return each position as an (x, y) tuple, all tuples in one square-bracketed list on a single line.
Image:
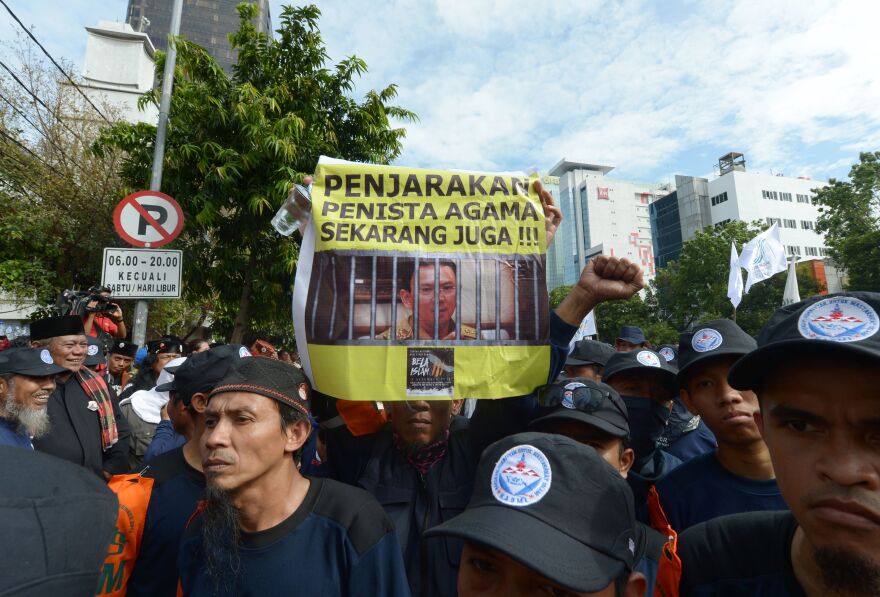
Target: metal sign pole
[(139, 334)]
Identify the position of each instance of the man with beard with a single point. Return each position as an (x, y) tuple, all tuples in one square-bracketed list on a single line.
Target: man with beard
[(178, 482), (86, 425), (266, 530), (816, 372), (27, 378), (119, 364), (738, 475)]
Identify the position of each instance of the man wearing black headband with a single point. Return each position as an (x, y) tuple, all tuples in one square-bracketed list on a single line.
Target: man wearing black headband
[(87, 427), (267, 530)]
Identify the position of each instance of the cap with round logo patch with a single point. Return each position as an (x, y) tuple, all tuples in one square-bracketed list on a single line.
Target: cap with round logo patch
[(574, 509), (94, 353), (125, 348), (202, 371), (845, 324), (584, 401), (32, 362), (710, 340), (641, 360)]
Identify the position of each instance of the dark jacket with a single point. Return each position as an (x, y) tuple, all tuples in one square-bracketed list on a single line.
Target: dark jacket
[(75, 434)]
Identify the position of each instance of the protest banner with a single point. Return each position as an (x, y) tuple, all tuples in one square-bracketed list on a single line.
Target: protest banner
[(417, 283)]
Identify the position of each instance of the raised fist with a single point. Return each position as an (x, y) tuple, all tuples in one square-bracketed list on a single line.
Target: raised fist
[(610, 278)]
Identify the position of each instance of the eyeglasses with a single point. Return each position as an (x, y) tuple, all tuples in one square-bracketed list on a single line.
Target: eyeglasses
[(575, 395)]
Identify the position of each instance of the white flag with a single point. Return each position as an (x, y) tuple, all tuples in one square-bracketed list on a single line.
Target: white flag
[(763, 256), (791, 294), (734, 279), (587, 328)]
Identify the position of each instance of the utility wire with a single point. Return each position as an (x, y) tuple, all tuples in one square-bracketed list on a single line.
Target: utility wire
[(24, 147), (58, 66), (38, 100), (39, 130)]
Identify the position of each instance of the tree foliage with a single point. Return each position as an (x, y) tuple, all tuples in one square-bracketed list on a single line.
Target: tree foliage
[(236, 143), (850, 220), (56, 199)]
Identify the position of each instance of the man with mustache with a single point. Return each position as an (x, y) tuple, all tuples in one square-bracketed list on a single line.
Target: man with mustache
[(27, 378), (816, 372), (267, 530), (738, 475), (87, 426)]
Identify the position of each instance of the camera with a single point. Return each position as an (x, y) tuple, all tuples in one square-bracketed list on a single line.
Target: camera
[(76, 302)]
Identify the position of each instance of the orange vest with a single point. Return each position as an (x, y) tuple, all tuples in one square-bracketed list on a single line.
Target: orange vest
[(133, 493), (669, 569)]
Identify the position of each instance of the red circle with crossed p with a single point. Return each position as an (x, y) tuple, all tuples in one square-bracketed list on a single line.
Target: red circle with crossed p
[(148, 219)]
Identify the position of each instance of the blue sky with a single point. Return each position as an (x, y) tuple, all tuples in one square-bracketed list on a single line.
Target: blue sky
[(653, 88)]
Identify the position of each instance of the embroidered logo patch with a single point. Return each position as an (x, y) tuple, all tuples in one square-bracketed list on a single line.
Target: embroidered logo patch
[(522, 476), (244, 352), (46, 357), (648, 358), (567, 401), (667, 353), (93, 350), (705, 340), (839, 319)]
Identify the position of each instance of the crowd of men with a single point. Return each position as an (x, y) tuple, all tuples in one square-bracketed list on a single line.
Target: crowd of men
[(724, 465)]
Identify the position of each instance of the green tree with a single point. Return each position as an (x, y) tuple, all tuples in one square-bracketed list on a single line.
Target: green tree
[(850, 220), (236, 143)]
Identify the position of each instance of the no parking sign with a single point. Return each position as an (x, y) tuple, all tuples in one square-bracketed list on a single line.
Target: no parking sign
[(148, 219)]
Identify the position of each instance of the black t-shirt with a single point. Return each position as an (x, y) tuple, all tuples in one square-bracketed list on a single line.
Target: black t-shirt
[(746, 555)]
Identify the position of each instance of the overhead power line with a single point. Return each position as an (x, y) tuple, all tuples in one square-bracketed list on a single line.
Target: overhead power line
[(27, 149), (49, 56)]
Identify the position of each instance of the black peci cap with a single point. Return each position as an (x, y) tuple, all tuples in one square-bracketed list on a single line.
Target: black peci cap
[(166, 344), (32, 362), (202, 371), (125, 348), (608, 414), (844, 324), (642, 359), (553, 505), (710, 340), (590, 352), (50, 327), (267, 377)]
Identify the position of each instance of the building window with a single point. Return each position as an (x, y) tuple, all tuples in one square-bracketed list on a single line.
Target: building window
[(814, 201), (722, 223), (789, 224), (770, 195), (808, 225), (811, 251), (793, 249), (644, 198), (823, 252), (785, 197), (772, 221), (721, 198), (603, 192), (803, 198)]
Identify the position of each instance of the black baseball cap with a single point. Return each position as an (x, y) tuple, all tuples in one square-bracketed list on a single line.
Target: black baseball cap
[(267, 377), (642, 359), (51, 327), (710, 340), (590, 352), (202, 371), (607, 414), (553, 505), (94, 353), (632, 333), (125, 348), (32, 362), (845, 324)]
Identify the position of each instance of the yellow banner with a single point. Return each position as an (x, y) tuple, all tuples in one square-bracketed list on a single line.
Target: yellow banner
[(422, 284)]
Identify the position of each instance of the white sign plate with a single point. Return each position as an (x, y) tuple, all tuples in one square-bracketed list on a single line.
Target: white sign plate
[(142, 273)]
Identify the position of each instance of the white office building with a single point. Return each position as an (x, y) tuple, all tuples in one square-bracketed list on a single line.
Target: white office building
[(740, 195), (603, 216)]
